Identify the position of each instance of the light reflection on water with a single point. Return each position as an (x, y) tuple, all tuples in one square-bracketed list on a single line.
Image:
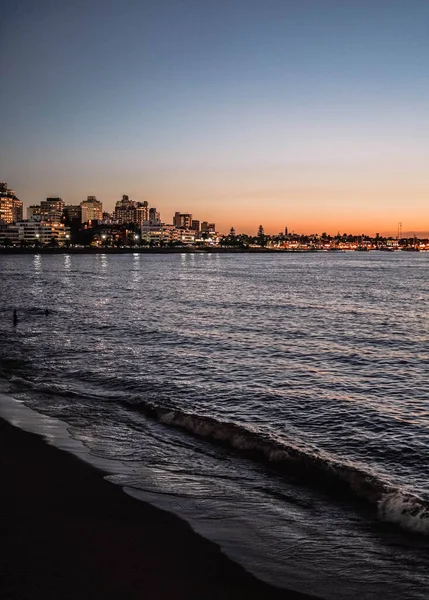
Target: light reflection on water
[(323, 352)]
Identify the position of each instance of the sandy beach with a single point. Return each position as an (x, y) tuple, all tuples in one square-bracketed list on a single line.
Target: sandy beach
[(68, 533)]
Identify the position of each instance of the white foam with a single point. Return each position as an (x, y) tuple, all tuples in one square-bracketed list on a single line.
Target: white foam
[(407, 511)]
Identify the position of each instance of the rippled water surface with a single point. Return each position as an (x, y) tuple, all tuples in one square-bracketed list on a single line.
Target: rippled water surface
[(279, 402)]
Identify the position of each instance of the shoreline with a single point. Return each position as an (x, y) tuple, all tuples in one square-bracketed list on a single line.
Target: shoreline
[(188, 250), (144, 250), (69, 533)]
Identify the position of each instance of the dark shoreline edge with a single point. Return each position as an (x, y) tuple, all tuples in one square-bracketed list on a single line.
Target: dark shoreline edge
[(140, 250), (69, 533)]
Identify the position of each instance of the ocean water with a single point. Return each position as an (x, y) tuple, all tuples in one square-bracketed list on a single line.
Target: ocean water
[(278, 402)]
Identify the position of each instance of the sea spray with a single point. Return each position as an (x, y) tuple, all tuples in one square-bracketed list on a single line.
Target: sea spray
[(406, 510)]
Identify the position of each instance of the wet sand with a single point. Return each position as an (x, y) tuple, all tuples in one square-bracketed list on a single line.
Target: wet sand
[(68, 533)]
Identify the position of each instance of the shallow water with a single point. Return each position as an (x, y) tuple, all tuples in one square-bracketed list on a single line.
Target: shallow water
[(278, 402)]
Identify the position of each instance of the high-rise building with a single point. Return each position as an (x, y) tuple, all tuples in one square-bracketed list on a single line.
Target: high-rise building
[(92, 209), (152, 229), (195, 226), (182, 220), (208, 227), (125, 211), (154, 216), (128, 211), (52, 209), (10, 205), (52, 205), (142, 212), (34, 212), (73, 212)]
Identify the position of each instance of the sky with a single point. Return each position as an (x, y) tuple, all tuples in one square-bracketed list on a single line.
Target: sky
[(310, 114)]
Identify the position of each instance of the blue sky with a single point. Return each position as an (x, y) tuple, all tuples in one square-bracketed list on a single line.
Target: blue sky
[(311, 114)]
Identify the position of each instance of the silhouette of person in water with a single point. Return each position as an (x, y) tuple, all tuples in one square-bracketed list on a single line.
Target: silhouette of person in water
[(15, 317)]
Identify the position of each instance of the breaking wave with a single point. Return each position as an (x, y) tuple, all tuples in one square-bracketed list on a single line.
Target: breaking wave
[(404, 509)]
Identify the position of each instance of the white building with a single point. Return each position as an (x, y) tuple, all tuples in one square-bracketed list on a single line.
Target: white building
[(33, 232), (9, 235)]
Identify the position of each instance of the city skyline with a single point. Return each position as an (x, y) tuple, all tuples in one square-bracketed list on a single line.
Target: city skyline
[(311, 115), (397, 231)]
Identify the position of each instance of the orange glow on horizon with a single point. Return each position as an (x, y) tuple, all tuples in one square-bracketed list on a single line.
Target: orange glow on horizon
[(306, 201)]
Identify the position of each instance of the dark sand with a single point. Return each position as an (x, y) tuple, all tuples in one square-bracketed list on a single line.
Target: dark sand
[(68, 533)]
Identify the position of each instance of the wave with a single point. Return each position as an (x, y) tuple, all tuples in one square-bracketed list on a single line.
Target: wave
[(406, 510), (55, 390), (312, 467), (49, 389), (316, 468)]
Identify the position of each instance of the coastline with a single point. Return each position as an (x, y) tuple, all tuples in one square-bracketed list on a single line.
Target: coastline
[(185, 250), (142, 250), (69, 533)]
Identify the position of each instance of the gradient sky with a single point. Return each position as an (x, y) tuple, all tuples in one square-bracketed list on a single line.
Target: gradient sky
[(308, 113)]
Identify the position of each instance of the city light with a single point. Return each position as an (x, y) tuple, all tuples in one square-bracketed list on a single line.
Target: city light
[(134, 223)]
